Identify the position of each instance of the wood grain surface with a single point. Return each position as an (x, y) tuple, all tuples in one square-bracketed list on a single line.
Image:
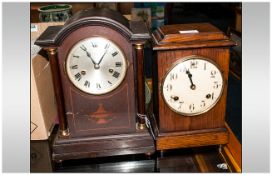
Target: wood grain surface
[(197, 35), (191, 140), (214, 118), (119, 104), (175, 42), (98, 136), (100, 146)]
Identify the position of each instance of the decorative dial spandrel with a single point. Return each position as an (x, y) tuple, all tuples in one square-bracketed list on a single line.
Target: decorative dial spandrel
[(96, 65), (193, 86)]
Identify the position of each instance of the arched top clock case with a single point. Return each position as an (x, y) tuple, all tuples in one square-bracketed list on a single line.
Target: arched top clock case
[(93, 49), (133, 31)]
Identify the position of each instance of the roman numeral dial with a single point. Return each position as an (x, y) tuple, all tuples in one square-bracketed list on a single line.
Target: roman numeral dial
[(192, 86), (96, 65)]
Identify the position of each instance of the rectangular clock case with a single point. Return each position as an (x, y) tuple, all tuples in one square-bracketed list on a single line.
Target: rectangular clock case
[(170, 43)]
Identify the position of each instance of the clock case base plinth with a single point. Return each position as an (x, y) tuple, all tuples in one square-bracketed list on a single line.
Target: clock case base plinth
[(65, 148), (187, 139), (192, 139)]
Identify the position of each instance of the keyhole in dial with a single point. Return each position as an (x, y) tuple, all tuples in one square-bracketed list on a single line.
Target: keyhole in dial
[(175, 98)]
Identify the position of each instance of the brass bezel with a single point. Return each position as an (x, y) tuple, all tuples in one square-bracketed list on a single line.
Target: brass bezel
[(117, 45), (183, 59)]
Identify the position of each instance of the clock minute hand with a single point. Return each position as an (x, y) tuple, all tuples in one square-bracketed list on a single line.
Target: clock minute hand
[(190, 77), (102, 57)]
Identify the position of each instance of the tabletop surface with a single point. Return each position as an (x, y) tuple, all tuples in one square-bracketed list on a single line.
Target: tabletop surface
[(204, 159)]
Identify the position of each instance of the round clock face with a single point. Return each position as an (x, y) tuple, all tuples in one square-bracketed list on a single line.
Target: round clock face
[(193, 86), (96, 65)]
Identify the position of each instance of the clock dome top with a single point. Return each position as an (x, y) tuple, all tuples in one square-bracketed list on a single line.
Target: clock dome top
[(133, 30), (98, 14)]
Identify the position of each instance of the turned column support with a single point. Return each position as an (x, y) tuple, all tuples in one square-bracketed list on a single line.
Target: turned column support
[(139, 49), (52, 54)]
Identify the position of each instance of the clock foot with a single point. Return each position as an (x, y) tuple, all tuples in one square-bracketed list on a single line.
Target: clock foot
[(64, 133), (140, 126), (149, 154), (58, 161)]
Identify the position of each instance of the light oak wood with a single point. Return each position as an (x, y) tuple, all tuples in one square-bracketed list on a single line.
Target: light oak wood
[(214, 118), (233, 150), (192, 140), (175, 130)]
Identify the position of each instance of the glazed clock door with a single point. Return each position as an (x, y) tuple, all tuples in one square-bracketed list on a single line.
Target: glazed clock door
[(96, 65), (193, 86), (98, 80)]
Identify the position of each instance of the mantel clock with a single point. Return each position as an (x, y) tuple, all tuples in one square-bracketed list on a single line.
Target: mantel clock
[(96, 59), (190, 85)]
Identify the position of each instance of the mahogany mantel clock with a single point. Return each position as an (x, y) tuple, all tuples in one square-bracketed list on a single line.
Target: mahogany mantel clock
[(97, 64), (190, 85)]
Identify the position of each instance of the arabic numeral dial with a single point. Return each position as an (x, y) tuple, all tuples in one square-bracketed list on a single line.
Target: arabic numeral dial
[(192, 86)]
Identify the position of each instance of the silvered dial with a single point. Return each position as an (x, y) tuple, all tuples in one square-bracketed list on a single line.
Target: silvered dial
[(96, 65), (192, 86)]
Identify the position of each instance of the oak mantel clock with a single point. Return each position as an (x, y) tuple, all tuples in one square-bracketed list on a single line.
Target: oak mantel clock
[(97, 64), (190, 85)]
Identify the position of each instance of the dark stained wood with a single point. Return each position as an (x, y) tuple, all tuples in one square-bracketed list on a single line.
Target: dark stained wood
[(99, 13), (208, 159), (175, 130), (203, 159), (110, 166), (47, 38), (190, 160), (133, 31), (91, 134), (52, 54), (140, 80), (199, 159), (119, 104), (182, 164), (140, 31), (99, 146), (40, 156)]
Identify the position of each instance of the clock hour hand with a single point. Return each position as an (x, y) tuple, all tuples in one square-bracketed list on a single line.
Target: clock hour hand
[(88, 54), (96, 66), (190, 77)]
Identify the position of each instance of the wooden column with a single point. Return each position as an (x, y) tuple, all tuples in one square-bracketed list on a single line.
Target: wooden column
[(140, 84), (52, 54)]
